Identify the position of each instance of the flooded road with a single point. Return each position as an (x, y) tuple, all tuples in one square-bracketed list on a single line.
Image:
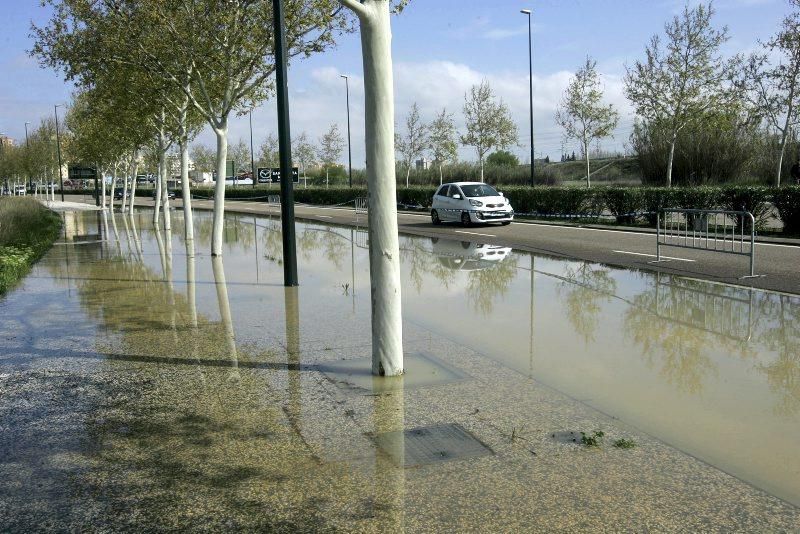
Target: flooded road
[(160, 386)]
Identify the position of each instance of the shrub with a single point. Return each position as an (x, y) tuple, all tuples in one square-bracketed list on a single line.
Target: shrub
[(754, 199), (622, 202), (27, 229), (787, 202)]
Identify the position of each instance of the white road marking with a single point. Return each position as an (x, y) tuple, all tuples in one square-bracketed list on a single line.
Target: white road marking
[(652, 255), (324, 216), (474, 233)]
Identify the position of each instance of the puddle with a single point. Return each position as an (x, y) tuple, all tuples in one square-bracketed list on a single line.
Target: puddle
[(182, 388)]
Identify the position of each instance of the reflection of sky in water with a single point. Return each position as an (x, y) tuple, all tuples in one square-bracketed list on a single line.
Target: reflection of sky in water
[(711, 369)]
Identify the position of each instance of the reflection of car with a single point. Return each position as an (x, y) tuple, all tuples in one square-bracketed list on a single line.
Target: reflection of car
[(466, 256), (20, 190), (118, 193), (469, 203)]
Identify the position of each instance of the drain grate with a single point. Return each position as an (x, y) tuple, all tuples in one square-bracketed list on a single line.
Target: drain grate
[(430, 445)]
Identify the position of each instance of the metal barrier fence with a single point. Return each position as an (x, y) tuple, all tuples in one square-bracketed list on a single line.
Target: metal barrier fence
[(731, 232), (361, 205)]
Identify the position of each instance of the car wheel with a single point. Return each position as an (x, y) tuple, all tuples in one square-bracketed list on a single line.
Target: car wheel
[(435, 217), (465, 219)]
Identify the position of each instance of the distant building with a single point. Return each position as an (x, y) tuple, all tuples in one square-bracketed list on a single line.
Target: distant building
[(423, 164), (174, 165), (6, 141)]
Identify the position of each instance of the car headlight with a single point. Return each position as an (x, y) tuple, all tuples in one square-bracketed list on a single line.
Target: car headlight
[(476, 203)]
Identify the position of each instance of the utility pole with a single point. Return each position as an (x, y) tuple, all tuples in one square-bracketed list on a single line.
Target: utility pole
[(252, 158), (28, 157), (530, 81), (58, 145), (349, 150), (284, 149)]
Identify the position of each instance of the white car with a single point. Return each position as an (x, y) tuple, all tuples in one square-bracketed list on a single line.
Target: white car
[(466, 256), (470, 203)]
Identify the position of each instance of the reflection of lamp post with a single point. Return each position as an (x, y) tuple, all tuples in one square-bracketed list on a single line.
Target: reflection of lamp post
[(349, 150), (530, 81), (28, 154), (58, 145), (252, 159)]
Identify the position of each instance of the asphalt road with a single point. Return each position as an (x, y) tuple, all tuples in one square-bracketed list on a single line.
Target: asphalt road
[(777, 263)]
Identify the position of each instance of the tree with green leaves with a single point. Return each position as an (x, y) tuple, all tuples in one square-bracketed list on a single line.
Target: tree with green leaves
[(204, 158), (582, 114), (303, 152), (502, 158), (682, 81), (268, 152), (219, 55), (771, 82), (414, 141), (331, 146), (443, 140), (488, 122)]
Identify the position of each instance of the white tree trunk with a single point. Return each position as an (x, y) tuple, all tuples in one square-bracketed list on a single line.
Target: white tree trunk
[(133, 183), (586, 153), (408, 174), (481, 168), (125, 191), (225, 314), (384, 250), (103, 188), (671, 157), (165, 190), (186, 193), (219, 189), (784, 136)]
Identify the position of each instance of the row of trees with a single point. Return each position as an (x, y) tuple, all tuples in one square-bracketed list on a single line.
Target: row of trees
[(36, 160), (488, 126), (153, 73), (688, 96)]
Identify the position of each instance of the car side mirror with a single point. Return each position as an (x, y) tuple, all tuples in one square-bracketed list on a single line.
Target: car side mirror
[(500, 193), (457, 196)]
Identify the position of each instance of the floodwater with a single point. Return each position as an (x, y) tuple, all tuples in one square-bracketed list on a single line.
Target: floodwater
[(175, 387)]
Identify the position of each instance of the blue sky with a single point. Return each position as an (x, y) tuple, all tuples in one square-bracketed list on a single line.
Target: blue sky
[(441, 47)]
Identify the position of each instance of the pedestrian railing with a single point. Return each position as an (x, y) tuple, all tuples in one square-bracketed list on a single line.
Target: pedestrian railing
[(361, 204), (731, 232)]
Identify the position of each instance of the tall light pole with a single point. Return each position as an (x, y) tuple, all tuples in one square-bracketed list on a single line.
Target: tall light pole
[(530, 81), (58, 146), (349, 150), (252, 158), (284, 148), (28, 157)]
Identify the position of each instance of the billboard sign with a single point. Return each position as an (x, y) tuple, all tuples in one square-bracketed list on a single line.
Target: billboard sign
[(272, 175)]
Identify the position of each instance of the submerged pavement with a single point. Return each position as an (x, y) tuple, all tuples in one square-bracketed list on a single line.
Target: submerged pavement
[(144, 385), (776, 260)]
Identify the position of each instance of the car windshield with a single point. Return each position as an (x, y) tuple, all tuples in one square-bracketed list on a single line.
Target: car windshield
[(479, 190)]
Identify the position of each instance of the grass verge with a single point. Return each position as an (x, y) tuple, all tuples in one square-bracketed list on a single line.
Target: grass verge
[(27, 230)]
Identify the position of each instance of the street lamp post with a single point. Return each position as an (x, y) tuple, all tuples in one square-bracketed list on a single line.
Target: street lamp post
[(530, 81), (349, 150), (252, 158), (58, 146), (28, 157)]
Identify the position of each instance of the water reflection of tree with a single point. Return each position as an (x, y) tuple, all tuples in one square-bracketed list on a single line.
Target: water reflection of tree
[(669, 321), (584, 290), (486, 285), (421, 261), (783, 337)]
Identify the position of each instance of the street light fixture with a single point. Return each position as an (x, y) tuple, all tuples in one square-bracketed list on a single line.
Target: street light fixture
[(349, 150), (28, 157), (530, 81), (58, 145)]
